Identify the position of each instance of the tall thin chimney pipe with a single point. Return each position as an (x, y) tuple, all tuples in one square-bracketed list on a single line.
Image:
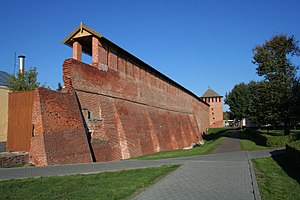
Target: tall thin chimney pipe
[(21, 64)]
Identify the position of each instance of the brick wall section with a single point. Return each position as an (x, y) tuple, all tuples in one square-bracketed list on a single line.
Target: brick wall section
[(59, 134), (150, 91), (37, 153), (131, 112), (129, 129)]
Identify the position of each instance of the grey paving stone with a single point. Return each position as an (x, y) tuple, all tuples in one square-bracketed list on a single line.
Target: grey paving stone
[(225, 175), (266, 153), (60, 170), (230, 156), (228, 145), (204, 180)]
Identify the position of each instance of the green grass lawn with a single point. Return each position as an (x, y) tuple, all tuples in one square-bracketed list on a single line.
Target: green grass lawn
[(258, 140), (277, 132), (107, 185), (214, 138), (207, 148), (249, 145), (217, 131), (277, 179)]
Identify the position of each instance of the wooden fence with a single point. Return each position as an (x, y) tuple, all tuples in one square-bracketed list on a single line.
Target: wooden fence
[(20, 127)]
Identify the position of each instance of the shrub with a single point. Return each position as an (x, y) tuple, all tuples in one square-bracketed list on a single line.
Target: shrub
[(276, 141), (295, 145), (270, 140)]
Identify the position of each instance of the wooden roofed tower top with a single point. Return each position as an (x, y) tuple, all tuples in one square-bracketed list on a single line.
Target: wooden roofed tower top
[(107, 55)]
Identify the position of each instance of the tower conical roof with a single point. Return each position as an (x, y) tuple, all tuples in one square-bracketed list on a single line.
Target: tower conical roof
[(211, 93)]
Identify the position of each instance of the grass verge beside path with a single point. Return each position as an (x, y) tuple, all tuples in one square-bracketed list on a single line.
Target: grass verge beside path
[(207, 148), (277, 178), (107, 185), (212, 140), (247, 144), (259, 140)]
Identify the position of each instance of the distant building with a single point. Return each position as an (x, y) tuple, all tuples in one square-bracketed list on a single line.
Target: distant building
[(216, 108), (228, 123), (4, 77)]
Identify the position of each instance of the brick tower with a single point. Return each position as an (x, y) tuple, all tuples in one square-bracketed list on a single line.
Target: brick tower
[(216, 108)]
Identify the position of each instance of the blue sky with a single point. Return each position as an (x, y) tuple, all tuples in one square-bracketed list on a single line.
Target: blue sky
[(197, 43)]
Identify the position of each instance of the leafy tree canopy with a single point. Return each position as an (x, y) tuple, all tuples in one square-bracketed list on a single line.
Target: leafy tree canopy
[(273, 60), (276, 99), (238, 100), (24, 81)]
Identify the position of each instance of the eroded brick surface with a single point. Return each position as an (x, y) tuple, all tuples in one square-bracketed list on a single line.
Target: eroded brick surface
[(59, 136), (119, 105), (132, 113)]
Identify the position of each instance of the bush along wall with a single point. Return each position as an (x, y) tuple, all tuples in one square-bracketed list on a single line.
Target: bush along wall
[(270, 140), (279, 141)]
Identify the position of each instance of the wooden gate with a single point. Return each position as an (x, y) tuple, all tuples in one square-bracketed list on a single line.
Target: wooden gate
[(20, 127)]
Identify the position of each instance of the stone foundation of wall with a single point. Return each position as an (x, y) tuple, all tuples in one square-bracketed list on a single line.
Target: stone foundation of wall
[(13, 159)]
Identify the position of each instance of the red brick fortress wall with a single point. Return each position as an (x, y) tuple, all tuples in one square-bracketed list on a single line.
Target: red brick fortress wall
[(59, 135), (130, 110)]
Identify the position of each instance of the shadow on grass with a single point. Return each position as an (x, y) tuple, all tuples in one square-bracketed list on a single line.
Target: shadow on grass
[(248, 135), (216, 134), (287, 165)]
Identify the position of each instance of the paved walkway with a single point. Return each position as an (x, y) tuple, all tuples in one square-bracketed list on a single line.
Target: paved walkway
[(216, 176), (226, 174), (231, 142)]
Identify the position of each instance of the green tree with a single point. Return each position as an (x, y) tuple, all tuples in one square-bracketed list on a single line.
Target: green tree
[(227, 115), (296, 92), (260, 106), (24, 81), (238, 101), (274, 64)]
